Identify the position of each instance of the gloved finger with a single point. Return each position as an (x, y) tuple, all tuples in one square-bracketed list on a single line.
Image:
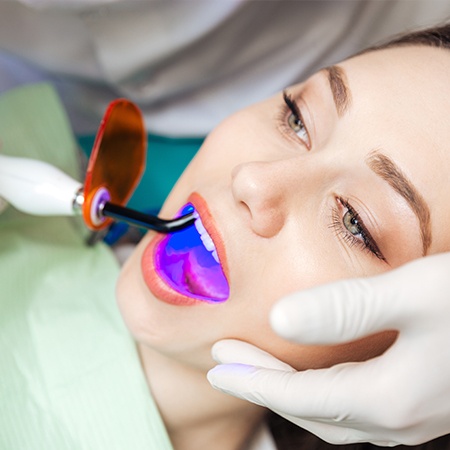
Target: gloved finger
[(350, 309), (234, 351), (327, 394), (241, 374), (247, 382), (318, 401)]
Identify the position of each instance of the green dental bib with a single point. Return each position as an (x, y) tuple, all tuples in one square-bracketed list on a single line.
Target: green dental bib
[(70, 376)]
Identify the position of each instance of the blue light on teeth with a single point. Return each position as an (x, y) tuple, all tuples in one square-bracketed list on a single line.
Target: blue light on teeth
[(188, 262)]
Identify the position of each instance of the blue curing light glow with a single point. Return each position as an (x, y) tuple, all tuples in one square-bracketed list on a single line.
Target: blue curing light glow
[(188, 266)]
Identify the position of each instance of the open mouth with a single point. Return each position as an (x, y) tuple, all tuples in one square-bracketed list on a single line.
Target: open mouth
[(188, 262)]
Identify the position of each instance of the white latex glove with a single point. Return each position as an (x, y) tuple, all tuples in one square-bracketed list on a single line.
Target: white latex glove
[(400, 397)]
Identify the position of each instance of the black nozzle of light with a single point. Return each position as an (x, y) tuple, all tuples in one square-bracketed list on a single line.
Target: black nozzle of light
[(147, 221)]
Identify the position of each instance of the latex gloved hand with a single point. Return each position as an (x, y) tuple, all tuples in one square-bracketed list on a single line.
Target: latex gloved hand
[(401, 397)]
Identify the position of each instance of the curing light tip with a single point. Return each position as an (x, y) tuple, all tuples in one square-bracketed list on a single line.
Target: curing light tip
[(148, 221)]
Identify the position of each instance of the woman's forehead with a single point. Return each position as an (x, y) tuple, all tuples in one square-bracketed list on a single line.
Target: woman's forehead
[(420, 69), (403, 93)]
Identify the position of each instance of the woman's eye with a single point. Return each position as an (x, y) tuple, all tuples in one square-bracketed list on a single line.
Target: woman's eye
[(297, 125), (351, 223), (352, 229), (294, 120)]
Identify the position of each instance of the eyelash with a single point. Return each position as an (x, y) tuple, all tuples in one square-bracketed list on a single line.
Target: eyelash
[(366, 241), (290, 107)]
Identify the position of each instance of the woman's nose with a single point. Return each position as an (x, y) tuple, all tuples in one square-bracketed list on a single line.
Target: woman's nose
[(260, 192)]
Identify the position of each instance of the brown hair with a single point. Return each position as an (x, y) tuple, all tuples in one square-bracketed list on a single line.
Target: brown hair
[(438, 36), (289, 436)]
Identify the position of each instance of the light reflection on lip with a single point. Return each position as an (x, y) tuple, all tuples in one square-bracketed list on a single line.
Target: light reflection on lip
[(181, 268)]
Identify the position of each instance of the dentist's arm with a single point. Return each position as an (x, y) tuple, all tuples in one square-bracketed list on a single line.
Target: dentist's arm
[(401, 397)]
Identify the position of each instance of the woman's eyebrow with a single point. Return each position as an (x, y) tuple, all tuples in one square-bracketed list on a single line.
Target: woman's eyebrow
[(339, 88), (384, 167)]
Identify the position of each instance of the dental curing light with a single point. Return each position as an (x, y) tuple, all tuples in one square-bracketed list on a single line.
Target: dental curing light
[(114, 169)]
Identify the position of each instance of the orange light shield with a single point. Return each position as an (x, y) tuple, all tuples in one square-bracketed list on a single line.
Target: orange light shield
[(117, 161)]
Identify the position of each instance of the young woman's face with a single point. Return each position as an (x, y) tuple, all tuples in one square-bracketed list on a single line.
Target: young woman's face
[(346, 176)]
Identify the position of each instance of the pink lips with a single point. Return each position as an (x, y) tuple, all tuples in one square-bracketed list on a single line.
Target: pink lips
[(155, 266)]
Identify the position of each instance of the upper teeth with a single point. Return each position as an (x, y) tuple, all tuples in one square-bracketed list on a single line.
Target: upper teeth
[(206, 238)]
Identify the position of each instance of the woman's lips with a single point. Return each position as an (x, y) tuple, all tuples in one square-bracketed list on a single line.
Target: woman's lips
[(188, 266)]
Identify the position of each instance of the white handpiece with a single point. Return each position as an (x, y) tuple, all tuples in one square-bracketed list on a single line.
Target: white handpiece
[(36, 187)]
